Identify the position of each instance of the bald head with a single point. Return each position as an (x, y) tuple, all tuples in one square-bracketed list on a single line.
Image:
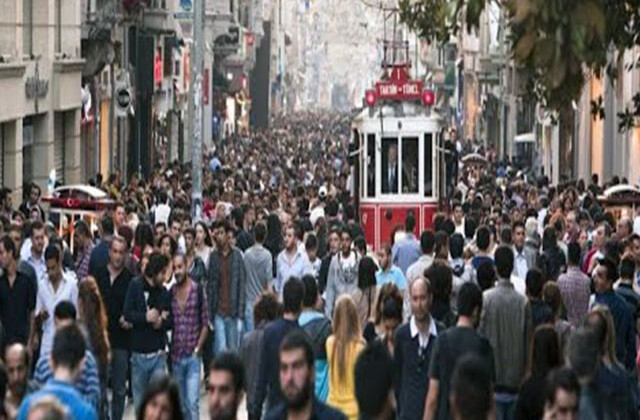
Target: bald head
[(17, 362)]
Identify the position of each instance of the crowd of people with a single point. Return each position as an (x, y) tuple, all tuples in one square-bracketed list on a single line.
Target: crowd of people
[(520, 302)]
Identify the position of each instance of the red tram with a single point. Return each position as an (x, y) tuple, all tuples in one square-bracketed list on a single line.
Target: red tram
[(397, 139)]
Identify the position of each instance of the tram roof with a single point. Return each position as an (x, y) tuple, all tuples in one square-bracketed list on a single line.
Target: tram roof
[(396, 110)]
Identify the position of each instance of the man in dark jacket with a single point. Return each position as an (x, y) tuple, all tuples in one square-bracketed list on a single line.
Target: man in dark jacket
[(268, 374), (414, 343), (148, 308), (226, 280)]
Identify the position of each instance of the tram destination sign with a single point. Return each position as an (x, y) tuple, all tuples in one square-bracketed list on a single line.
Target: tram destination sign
[(399, 90)]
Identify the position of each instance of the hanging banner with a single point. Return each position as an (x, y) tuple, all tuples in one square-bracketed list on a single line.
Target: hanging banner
[(157, 67)]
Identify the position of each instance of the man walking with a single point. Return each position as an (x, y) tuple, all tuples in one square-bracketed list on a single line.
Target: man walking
[(190, 330), (225, 387), (267, 382), (575, 288), (148, 308), (259, 266), (226, 290), (292, 261), (506, 322), (407, 250), (414, 343), (67, 358), (17, 295), (34, 255), (296, 383), (113, 281), (451, 346), (343, 272)]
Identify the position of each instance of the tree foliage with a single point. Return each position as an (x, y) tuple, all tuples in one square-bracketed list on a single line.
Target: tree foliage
[(556, 44)]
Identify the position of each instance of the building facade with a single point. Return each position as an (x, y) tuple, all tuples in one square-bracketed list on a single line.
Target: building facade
[(40, 75)]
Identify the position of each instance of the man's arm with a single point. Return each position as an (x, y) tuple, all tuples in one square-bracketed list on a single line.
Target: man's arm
[(261, 381), (204, 321), (432, 400), (333, 272), (242, 285), (132, 314)]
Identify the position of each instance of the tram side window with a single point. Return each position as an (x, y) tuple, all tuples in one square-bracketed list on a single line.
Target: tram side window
[(428, 165), (371, 165), (410, 165), (390, 168)]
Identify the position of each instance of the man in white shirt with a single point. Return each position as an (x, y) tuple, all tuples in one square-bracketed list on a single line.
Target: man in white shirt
[(34, 254), (53, 288)]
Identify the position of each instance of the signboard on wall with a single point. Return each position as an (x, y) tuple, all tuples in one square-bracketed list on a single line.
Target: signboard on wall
[(157, 67)]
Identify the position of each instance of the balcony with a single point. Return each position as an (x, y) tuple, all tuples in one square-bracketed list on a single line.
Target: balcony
[(158, 16)]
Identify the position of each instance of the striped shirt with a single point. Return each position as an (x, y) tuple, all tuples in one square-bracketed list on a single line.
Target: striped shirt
[(187, 322), (87, 383)]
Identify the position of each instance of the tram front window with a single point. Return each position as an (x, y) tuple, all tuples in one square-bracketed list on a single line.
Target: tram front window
[(390, 167), (371, 165), (410, 165), (428, 165)]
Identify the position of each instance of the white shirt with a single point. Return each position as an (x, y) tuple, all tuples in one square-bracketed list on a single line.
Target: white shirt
[(520, 284), (161, 214), (47, 299), (520, 263), (38, 264), (423, 338)]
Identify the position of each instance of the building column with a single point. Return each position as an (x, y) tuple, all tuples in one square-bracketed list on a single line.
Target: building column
[(43, 159), (13, 159), (72, 146)]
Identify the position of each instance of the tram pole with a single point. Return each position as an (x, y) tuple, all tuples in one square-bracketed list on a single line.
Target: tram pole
[(195, 93)]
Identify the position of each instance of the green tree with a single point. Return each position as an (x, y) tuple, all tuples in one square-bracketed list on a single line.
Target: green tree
[(554, 43)]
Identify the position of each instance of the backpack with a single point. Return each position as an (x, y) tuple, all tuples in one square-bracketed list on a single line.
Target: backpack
[(318, 331)]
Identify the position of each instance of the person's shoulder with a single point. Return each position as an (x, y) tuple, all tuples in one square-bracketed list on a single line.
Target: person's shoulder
[(278, 412), (326, 412), (403, 331)]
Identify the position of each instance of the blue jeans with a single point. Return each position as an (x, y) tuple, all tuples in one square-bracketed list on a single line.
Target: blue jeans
[(506, 406), (225, 334), (187, 374), (119, 367), (145, 368), (248, 317)]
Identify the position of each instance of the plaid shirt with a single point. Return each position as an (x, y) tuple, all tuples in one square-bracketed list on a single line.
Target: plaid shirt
[(187, 323), (575, 290), (82, 262)]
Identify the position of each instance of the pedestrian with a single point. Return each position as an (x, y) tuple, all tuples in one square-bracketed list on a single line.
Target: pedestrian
[(17, 295), (334, 248), (67, 357), (575, 287), (56, 286), (19, 386), (388, 272), (506, 322), (92, 319), (292, 261), (318, 327), (414, 343), (374, 383), (553, 258), (225, 387), (462, 270), (451, 346), (624, 286), (268, 387), (364, 295), (540, 312), (203, 245), (407, 250), (17, 235), (427, 243), (343, 272), (471, 389), (562, 395), (33, 250), (296, 380), (266, 309), (226, 290), (343, 347), (525, 258), (545, 356), (441, 278), (484, 245), (100, 254), (161, 400), (147, 308), (83, 247), (605, 275), (113, 281), (190, 331), (258, 265), (378, 326), (195, 266), (87, 382)]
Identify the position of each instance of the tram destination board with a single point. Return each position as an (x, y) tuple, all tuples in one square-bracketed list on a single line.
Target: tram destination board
[(399, 90)]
